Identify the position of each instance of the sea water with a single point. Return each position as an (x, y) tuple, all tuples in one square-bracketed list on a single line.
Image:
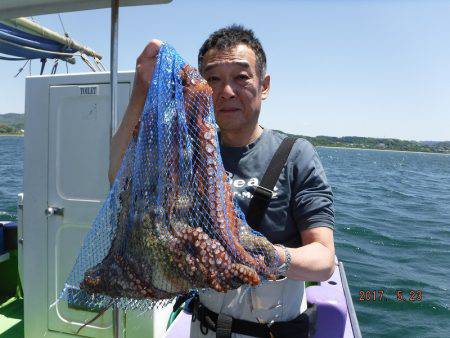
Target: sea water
[(392, 233)]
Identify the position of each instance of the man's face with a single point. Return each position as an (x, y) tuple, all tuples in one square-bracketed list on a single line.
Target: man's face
[(237, 90)]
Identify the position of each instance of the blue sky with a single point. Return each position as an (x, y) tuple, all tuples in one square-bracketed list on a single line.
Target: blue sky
[(338, 68)]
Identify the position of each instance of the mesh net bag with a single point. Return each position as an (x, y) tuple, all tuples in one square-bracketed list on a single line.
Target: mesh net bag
[(169, 223)]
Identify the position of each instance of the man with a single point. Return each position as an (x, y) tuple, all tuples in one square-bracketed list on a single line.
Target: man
[(300, 215)]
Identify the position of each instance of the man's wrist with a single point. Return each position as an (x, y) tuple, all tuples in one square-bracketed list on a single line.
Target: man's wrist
[(284, 267)]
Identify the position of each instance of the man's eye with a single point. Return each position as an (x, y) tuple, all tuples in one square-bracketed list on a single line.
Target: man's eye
[(243, 77)]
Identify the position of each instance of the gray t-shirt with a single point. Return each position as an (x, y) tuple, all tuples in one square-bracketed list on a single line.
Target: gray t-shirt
[(303, 198)]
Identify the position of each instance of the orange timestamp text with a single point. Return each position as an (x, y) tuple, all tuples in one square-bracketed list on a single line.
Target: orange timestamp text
[(400, 295)]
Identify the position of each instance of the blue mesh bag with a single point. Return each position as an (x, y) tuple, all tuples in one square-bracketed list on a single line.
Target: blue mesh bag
[(169, 223)]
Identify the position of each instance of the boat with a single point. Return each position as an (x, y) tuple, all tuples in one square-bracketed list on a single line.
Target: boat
[(65, 183)]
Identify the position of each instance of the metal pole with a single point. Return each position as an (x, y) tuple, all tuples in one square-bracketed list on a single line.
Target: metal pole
[(114, 63), (117, 327), (113, 76)]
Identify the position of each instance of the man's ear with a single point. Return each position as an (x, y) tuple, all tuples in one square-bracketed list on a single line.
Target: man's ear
[(265, 87)]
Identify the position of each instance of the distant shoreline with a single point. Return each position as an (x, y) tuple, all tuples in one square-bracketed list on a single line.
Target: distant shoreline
[(373, 149), (328, 147)]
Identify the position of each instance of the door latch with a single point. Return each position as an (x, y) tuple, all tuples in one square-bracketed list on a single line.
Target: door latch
[(50, 211)]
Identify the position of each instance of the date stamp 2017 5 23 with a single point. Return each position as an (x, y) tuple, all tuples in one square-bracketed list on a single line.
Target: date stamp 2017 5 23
[(400, 295)]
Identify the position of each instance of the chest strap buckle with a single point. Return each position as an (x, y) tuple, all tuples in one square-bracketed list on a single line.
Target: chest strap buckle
[(262, 193)]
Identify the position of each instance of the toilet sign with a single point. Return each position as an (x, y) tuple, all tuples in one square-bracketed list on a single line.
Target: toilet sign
[(88, 90)]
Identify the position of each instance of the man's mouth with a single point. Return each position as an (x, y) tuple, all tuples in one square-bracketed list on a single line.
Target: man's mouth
[(228, 110)]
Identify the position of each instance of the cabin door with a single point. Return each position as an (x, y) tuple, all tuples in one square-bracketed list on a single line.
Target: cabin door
[(79, 136)]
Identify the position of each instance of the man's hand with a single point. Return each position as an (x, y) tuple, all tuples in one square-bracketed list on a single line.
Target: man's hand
[(145, 64)]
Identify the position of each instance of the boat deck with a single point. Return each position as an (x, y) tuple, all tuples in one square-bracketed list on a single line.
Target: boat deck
[(11, 318)]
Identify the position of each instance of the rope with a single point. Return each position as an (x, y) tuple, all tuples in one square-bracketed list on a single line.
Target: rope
[(21, 69), (64, 29), (86, 61), (67, 36), (43, 62), (55, 67), (100, 64), (97, 65)]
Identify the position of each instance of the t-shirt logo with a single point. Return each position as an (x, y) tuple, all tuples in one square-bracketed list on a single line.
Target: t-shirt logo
[(242, 187)]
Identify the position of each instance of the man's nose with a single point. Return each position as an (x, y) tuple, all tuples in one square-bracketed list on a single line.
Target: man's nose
[(227, 91)]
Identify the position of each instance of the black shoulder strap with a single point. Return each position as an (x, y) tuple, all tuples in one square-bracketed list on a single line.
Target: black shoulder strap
[(262, 194)]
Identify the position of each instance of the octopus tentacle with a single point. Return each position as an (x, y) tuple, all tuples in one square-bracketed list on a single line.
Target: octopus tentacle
[(209, 262)]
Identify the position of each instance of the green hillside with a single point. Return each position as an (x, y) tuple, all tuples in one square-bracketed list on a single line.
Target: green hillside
[(379, 143), (11, 123)]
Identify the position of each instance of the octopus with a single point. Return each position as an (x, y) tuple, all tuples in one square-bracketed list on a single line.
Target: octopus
[(196, 239)]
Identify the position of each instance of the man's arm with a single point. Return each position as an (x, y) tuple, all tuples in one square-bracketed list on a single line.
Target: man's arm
[(314, 216), (145, 64), (314, 261)]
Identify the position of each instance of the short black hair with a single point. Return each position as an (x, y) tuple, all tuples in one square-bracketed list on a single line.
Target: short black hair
[(231, 36)]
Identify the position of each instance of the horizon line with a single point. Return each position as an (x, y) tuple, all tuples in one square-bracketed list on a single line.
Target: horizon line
[(319, 135)]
